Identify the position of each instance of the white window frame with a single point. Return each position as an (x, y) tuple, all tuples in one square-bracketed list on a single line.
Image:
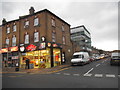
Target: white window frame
[(53, 37), (14, 40), (63, 29), (36, 21), (7, 41), (36, 36), (26, 39), (63, 39), (8, 30), (26, 24), (14, 28), (53, 22)]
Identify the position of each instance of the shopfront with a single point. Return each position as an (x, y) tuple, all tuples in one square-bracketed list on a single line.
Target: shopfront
[(41, 56)]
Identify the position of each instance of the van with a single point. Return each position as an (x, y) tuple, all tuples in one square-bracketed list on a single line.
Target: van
[(115, 58), (80, 58)]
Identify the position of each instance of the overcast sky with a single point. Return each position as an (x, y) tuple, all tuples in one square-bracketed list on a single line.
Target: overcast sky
[(100, 18)]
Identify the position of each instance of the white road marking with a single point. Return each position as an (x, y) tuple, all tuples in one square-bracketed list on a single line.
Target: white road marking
[(98, 75), (118, 75), (102, 61), (57, 73), (76, 74), (97, 65), (66, 73), (89, 71), (88, 75), (109, 75)]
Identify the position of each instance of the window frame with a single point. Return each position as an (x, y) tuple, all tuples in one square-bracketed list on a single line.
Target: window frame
[(8, 31), (36, 35), (36, 18), (14, 40), (26, 38), (14, 28), (7, 41)]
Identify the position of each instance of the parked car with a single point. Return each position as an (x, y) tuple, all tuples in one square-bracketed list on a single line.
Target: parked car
[(80, 58), (115, 58)]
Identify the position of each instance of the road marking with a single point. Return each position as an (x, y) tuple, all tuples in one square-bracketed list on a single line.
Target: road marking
[(76, 74), (97, 65), (89, 71), (98, 75), (118, 75), (66, 73), (109, 75), (88, 75), (102, 61), (57, 73)]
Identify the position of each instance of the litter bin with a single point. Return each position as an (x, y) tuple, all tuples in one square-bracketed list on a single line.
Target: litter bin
[(17, 69)]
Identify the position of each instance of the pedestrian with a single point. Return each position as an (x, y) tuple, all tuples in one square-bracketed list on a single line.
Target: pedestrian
[(27, 63)]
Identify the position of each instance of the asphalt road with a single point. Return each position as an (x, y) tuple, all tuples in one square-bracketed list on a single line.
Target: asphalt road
[(97, 74)]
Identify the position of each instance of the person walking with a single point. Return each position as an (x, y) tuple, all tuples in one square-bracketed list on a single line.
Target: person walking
[(27, 63)]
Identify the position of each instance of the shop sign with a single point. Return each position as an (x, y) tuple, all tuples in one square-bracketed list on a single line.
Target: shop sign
[(4, 50), (42, 45), (55, 45), (15, 48), (31, 47), (49, 44), (22, 48), (24, 54), (0, 51), (14, 57)]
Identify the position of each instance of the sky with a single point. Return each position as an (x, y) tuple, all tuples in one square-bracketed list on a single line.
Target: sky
[(100, 17)]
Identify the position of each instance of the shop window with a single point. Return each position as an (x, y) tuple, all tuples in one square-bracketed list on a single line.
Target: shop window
[(14, 28), (63, 39), (36, 22), (36, 36), (8, 30), (7, 41), (26, 38), (26, 24), (53, 22), (13, 40)]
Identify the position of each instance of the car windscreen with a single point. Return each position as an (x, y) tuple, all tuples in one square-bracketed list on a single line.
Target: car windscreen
[(115, 57), (78, 56)]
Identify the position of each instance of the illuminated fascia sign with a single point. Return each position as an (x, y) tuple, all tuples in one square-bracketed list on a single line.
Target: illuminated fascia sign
[(31, 47), (42, 45), (55, 45), (4, 50), (49, 44), (12, 49), (22, 48)]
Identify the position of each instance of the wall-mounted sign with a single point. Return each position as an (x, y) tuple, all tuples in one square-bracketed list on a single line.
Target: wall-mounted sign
[(42, 38), (49, 44), (22, 49), (15, 48), (42, 45), (31, 47), (55, 45), (14, 57), (4, 50)]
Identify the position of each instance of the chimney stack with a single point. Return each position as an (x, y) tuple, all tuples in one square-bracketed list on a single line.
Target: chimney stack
[(4, 21), (31, 11)]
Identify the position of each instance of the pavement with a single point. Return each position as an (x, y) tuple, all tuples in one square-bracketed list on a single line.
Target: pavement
[(35, 70)]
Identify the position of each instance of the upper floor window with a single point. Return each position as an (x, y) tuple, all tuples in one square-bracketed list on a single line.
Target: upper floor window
[(14, 28), (26, 38), (8, 29), (36, 36), (26, 24), (63, 39), (14, 40), (53, 22), (36, 21), (53, 37), (63, 29), (7, 41)]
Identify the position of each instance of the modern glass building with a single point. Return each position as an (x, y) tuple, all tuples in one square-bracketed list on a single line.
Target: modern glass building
[(82, 37)]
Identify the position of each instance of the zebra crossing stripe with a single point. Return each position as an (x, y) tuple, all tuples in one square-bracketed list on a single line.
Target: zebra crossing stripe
[(66, 73), (57, 73), (98, 75), (88, 75), (108, 75), (76, 74)]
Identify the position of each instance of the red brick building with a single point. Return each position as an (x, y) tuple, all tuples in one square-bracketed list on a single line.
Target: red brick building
[(41, 36)]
